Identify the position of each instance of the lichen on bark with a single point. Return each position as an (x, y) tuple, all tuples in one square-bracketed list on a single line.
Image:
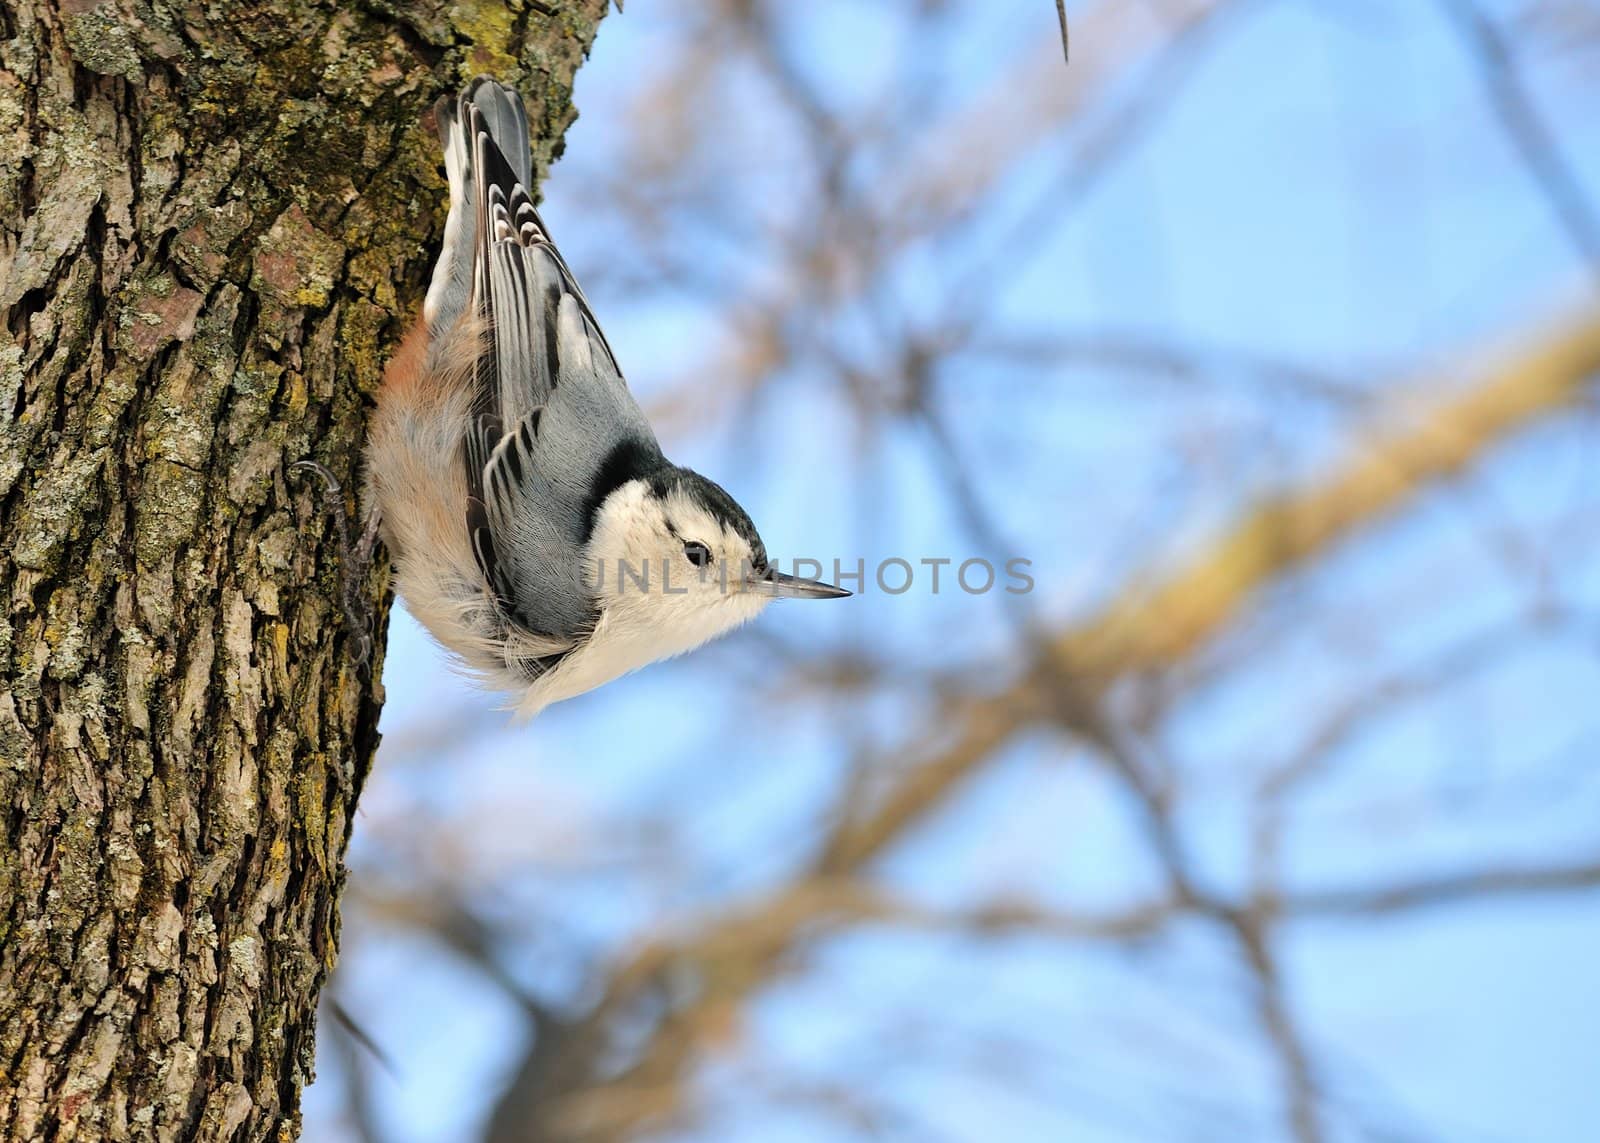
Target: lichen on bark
[(214, 221)]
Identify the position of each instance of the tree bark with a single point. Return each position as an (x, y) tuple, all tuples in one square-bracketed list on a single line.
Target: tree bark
[(214, 220)]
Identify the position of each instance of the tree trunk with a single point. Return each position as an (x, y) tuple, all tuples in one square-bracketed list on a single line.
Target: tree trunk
[(214, 220)]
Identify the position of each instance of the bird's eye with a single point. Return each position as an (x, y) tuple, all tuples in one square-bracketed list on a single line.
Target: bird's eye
[(699, 555)]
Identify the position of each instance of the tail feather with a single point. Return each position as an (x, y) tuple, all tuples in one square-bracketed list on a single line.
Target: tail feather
[(500, 112), (506, 121)]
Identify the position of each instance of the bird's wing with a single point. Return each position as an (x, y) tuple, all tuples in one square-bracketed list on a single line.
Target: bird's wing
[(551, 410)]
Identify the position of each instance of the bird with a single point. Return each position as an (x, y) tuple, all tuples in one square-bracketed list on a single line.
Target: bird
[(537, 530)]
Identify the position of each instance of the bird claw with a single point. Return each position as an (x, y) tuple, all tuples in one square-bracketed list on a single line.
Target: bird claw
[(331, 482), (355, 562)]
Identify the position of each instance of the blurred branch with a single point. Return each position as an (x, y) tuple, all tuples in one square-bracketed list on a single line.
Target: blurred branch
[(837, 252), (1534, 141), (1287, 1039), (1151, 627), (1140, 352), (849, 900), (354, 1055), (1173, 60), (967, 154), (1445, 889), (442, 915), (1332, 732)]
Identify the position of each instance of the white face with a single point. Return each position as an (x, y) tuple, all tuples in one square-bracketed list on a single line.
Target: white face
[(671, 566)]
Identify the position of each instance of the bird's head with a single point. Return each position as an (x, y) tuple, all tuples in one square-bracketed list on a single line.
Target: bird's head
[(674, 550)]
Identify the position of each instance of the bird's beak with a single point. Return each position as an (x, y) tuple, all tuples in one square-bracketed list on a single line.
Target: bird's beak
[(775, 583)]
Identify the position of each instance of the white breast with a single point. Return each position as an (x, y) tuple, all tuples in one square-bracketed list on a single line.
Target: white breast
[(635, 630)]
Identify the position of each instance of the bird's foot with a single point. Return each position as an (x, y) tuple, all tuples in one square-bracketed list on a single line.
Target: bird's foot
[(356, 562)]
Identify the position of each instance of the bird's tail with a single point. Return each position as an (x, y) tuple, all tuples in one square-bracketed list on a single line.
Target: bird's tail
[(502, 114)]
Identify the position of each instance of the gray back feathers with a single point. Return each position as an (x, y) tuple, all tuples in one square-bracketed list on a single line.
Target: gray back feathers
[(553, 418)]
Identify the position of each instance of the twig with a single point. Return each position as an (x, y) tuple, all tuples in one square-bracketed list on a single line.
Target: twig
[(1527, 128)]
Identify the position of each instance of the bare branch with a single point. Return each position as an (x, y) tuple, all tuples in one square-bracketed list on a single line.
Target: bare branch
[(1436, 892), (1526, 128)]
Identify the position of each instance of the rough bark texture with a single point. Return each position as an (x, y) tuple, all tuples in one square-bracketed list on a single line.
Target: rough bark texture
[(214, 220)]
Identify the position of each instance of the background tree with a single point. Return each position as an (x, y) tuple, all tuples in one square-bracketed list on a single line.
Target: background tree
[(213, 223)]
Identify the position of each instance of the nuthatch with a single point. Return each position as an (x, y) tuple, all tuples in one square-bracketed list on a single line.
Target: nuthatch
[(537, 530)]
